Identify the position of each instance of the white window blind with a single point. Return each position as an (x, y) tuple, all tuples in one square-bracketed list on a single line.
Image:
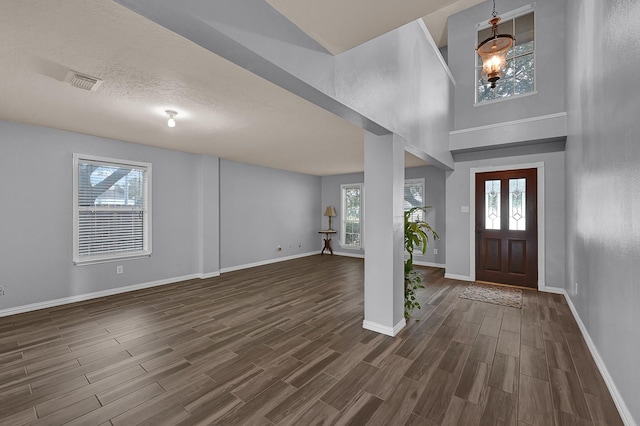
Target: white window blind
[(112, 212), (414, 197)]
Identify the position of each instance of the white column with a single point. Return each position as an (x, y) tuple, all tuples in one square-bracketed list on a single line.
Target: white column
[(383, 233)]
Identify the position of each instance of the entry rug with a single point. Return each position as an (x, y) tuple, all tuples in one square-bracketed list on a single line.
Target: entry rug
[(498, 295)]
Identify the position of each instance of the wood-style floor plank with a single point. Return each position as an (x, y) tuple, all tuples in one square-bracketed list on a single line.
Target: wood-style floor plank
[(283, 344)]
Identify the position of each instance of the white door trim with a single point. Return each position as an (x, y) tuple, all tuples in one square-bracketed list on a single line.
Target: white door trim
[(472, 215)]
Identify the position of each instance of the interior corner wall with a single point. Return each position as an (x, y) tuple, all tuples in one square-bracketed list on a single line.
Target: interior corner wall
[(434, 196), (459, 235), (36, 219), (603, 177), (262, 209), (209, 212), (549, 65)]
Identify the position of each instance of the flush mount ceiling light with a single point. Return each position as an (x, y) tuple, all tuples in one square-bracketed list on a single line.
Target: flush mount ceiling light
[(493, 51), (171, 122)]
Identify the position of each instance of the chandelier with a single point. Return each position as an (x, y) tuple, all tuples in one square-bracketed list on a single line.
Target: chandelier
[(493, 51)]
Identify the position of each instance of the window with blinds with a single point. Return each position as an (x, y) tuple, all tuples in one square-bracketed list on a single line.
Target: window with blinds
[(112, 209), (414, 197)]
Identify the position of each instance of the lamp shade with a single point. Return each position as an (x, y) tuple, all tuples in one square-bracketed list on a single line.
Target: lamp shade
[(330, 211), (493, 52)]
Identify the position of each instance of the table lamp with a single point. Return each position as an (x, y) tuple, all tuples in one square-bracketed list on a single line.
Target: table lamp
[(330, 212)]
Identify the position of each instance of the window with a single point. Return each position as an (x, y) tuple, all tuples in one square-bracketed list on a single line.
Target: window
[(519, 76), (518, 204), (492, 204), (351, 216), (111, 209), (414, 197)]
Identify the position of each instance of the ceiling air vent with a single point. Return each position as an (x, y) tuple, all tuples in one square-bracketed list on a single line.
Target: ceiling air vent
[(82, 81)]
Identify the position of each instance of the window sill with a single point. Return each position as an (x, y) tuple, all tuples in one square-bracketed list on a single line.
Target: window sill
[(350, 247), (97, 260), (508, 98)]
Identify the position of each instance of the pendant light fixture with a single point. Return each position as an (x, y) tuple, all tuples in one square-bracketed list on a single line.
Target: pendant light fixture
[(171, 122), (493, 51)]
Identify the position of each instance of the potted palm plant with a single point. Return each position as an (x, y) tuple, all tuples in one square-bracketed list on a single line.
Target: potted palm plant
[(416, 236)]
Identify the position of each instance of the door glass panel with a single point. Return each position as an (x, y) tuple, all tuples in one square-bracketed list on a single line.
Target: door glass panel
[(492, 204), (517, 204)]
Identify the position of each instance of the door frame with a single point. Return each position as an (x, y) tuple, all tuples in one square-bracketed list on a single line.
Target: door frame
[(472, 215)]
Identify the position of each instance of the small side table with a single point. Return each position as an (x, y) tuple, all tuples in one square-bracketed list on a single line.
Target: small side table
[(327, 240)]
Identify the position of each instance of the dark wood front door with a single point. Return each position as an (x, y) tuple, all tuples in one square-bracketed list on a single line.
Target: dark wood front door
[(507, 227)]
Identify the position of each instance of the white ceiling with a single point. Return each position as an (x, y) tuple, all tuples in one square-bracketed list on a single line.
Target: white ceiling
[(339, 25), (223, 110)]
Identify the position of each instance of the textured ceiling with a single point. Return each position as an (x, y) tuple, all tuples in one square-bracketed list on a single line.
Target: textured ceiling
[(223, 110)]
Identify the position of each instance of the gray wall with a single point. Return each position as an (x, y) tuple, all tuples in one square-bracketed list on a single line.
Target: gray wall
[(36, 218), (263, 208), (434, 196), (458, 238), (549, 63), (193, 233), (603, 178), (400, 81)]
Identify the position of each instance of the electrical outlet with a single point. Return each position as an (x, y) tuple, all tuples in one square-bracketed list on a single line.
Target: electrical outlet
[(279, 248), (435, 251), (576, 290), (119, 269), (2, 290)]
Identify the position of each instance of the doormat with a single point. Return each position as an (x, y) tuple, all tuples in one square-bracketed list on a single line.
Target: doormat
[(498, 295)]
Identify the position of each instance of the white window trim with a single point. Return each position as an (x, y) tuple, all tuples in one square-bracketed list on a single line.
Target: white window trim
[(342, 217), (146, 252), (516, 13)]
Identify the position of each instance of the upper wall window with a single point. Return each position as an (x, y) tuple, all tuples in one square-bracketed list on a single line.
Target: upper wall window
[(519, 77), (111, 209)]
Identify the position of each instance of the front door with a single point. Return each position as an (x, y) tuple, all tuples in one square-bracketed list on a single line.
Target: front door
[(507, 227)]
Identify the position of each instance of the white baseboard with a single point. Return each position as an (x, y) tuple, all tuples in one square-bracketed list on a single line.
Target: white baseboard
[(383, 329), (95, 295), (88, 296), (430, 264), (266, 262), (615, 394), (209, 275), (457, 277)]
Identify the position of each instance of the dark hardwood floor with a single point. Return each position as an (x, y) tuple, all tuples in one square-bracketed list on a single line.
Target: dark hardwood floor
[(284, 344)]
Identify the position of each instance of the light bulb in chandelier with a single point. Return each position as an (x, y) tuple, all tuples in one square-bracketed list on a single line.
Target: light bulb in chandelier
[(171, 122)]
